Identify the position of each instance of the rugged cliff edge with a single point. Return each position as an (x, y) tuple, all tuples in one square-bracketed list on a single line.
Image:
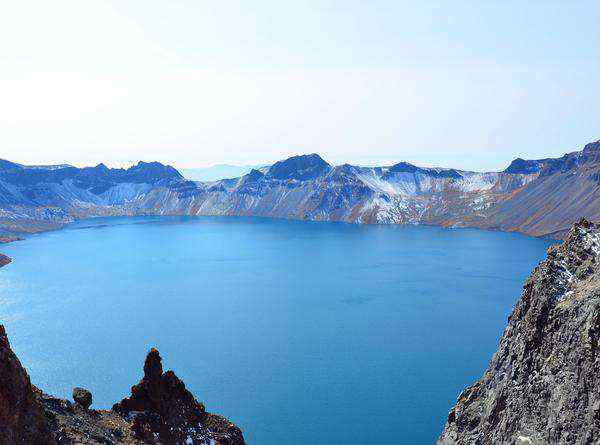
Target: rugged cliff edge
[(542, 385), (160, 410)]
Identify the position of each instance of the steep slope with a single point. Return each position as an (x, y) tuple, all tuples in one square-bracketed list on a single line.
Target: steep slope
[(160, 411), (541, 386), (566, 188)]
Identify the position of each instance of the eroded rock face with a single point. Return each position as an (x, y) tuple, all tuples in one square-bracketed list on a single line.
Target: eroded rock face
[(22, 419), (542, 385), (161, 408)]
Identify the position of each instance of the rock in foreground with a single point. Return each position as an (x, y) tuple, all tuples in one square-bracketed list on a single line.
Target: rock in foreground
[(542, 384), (22, 419), (161, 407), (160, 411)]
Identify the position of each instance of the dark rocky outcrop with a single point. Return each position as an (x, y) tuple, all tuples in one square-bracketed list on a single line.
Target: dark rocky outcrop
[(160, 410), (161, 407), (542, 385), (22, 419), (4, 260)]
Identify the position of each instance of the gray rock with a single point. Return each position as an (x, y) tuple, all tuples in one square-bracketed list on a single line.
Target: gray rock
[(542, 385)]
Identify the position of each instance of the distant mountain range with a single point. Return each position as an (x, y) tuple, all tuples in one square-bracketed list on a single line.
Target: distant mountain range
[(536, 197), (218, 171)]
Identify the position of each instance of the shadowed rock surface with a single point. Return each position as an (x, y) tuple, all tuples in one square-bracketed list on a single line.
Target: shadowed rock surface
[(82, 397), (160, 411), (542, 385), (22, 419), (161, 407)]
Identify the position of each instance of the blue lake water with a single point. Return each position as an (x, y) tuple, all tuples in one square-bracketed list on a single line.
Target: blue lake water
[(299, 332)]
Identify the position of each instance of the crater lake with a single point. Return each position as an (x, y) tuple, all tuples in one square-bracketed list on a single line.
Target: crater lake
[(300, 332)]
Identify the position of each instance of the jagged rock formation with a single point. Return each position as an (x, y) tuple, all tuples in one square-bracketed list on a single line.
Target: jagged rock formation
[(537, 197), (542, 386), (161, 407), (22, 419), (159, 411)]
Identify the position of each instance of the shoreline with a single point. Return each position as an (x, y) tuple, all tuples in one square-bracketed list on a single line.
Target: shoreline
[(5, 259), (6, 239), (24, 230)]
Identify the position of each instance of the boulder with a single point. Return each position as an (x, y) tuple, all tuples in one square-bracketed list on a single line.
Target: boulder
[(82, 397)]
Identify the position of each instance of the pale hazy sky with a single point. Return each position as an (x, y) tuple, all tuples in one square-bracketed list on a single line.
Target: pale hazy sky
[(469, 84)]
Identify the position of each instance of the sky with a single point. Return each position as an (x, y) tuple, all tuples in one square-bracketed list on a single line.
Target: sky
[(464, 84)]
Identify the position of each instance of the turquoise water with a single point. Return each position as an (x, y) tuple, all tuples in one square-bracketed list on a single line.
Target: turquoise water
[(299, 332)]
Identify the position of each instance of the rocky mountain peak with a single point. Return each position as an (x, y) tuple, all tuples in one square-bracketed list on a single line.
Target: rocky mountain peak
[(405, 167), (300, 168), (525, 166), (592, 146), (541, 386), (152, 172)]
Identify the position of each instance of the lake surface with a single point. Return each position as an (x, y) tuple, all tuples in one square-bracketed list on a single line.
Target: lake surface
[(299, 332)]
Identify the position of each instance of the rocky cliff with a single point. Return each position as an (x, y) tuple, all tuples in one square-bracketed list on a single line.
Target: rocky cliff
[(160, 410), (536, 197), (542, 386), (22, 419)]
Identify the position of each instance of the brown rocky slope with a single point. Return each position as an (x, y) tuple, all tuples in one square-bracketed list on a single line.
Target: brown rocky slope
[(159, 411), (542, 386)]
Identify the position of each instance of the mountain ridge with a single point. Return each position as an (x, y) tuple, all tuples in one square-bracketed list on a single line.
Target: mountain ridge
[(537, 197)]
